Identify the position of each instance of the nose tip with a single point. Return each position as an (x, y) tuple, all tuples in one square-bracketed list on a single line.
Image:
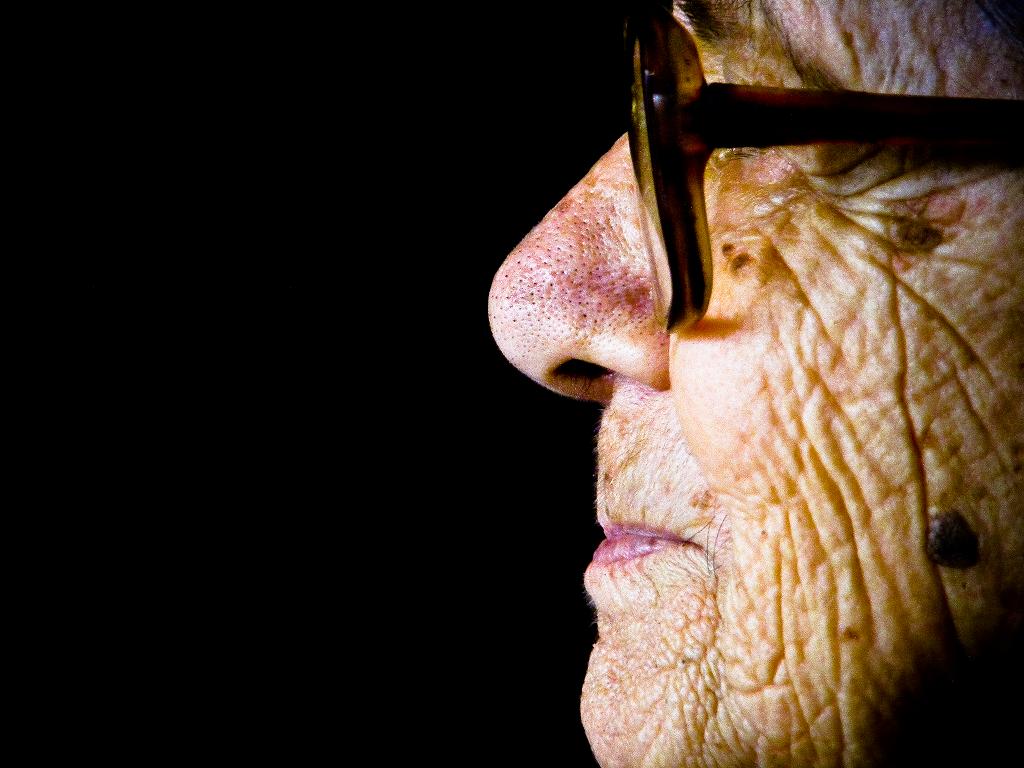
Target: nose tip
[(572, 307)]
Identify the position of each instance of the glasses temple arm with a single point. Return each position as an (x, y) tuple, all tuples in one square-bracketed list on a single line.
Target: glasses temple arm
[(750, 116)]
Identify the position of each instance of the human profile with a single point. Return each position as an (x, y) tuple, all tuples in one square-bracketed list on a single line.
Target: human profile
[(798, 295)]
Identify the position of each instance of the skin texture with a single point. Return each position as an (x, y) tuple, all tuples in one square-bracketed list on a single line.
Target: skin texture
[(847, 419)]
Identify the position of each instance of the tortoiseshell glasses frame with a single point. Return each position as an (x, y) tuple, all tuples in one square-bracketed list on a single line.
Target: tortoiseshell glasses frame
[(677, 120)]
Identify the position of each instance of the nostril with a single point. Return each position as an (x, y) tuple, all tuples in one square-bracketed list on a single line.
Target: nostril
[(580, 369), (582, 380)]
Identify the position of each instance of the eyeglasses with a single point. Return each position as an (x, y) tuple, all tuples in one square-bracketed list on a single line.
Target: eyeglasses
[(677, 120)]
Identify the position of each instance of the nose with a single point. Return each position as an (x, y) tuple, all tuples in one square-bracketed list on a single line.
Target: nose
[(572, 306)]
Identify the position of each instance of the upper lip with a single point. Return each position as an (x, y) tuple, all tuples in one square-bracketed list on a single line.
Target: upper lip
[(648, 482), (615, 530)]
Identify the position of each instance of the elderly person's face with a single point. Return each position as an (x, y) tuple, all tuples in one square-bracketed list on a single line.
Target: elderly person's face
[(812, 498)]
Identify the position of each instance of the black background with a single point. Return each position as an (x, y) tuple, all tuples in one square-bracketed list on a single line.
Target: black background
[(292, 495), (529, 98), (319, 483)]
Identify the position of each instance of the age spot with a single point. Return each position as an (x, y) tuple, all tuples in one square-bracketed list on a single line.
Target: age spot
[(739, 261), (911, 235), (736, 261), (951, 541)]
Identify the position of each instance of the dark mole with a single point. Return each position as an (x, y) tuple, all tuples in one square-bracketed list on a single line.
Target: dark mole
[(951, 541), (851, 634)]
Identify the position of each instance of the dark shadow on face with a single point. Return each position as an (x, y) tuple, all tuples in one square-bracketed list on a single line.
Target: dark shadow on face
[(970, 717)]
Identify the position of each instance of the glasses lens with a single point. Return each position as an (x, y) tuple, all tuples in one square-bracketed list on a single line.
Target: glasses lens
[(668, 158), (640, 148)]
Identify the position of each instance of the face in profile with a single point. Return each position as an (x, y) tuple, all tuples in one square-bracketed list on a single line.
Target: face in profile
[(812, 497)]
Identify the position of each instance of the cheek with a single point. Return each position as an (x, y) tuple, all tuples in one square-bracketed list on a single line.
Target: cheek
[(718, 389)]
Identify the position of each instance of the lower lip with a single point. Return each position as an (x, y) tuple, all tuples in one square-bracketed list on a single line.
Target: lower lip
[(622, 547)]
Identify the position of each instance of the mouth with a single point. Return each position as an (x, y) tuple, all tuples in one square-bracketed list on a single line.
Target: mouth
[(626, 543)]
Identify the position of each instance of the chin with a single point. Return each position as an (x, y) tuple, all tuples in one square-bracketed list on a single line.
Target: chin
[(649, 695)]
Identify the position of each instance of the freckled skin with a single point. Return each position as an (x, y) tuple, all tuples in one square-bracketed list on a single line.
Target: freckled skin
[(836, 433)]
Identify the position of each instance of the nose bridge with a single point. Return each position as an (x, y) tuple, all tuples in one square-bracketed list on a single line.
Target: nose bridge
[(572, 305)]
